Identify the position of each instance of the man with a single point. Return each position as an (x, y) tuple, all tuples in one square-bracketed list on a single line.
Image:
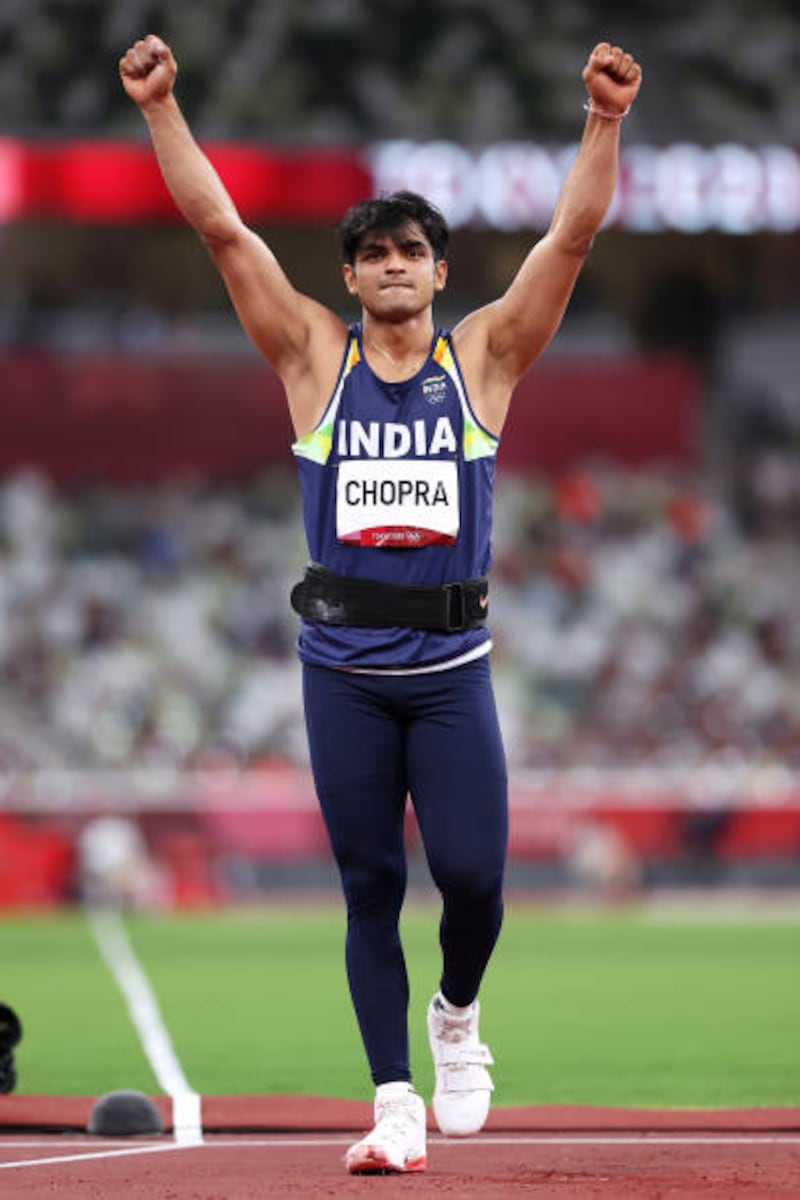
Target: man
[(397, 425)]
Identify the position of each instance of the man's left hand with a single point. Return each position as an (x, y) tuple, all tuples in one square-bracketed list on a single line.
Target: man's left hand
[(612, 78)]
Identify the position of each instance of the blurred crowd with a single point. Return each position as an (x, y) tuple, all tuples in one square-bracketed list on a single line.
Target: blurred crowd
[(639, 619), (353, 70)]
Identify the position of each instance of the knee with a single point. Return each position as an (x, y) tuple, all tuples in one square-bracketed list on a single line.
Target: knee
[(474, 882), (373, 887)]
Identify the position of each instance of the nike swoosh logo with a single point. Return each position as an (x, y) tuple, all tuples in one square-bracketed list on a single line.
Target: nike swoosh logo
[(483, 601)]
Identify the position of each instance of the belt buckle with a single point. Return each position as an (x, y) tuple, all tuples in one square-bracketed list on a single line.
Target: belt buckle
[(455, 607)]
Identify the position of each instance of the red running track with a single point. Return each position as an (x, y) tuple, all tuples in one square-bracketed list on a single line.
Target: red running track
[(296, 1147)]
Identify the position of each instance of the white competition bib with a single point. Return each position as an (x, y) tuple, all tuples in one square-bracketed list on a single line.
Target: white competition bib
[(405, 502)]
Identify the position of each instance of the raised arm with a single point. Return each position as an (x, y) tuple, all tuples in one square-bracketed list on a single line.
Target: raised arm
[(498, 343), (299, 337)]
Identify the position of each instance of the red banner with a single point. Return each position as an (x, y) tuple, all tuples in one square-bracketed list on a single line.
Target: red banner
[(120, 419), (101, 181)]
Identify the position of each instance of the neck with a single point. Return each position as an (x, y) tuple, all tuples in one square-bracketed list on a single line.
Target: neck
[(403, 353)]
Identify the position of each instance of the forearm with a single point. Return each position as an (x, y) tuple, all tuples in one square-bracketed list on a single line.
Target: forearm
[(192, 181), (589, 186)]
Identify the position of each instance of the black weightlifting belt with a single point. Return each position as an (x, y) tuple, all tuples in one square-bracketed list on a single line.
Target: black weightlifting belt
[(337, 600)]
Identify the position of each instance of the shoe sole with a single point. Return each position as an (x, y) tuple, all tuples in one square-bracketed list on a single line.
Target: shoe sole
[(455, 1129), (372, 1162)]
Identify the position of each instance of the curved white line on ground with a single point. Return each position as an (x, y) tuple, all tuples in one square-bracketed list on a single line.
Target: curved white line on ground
[(114, 945)]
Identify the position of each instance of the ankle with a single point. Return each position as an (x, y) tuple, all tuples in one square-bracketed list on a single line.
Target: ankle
[(453, 1010), (396, 1090)]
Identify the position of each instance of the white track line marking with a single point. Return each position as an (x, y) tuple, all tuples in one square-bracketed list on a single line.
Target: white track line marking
[(66, 1158), (522, 1139), (644, 1140), (87, 1141), (641, 1139), (114, 945)]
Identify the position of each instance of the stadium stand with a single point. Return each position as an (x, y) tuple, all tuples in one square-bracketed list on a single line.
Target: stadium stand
[(645, 617), (325, 71), (640, 619)]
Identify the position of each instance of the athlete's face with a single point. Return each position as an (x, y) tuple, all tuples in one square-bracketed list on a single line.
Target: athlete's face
[(395, 275)]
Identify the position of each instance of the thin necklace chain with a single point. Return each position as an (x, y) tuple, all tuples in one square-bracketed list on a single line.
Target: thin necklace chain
[(396, 363)]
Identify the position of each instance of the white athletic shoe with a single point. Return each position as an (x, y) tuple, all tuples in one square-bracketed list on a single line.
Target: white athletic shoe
[(464, 1087), (397, 1141)]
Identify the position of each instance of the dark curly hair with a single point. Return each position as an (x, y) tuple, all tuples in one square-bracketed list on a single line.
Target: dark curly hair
[(388, 214)]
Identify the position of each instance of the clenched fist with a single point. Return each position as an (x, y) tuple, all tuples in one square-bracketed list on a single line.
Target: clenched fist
[(148, 70), (612, 78)]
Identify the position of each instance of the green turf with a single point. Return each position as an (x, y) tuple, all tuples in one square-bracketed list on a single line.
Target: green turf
[(613, 1008), (77, 1037), (625, 1010)]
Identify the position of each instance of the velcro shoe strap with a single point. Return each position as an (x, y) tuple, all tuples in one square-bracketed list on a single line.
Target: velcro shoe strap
[(464, 1077), (464, 1054)]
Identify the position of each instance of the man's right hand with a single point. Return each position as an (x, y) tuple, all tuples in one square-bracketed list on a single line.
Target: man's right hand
[(148, 70)]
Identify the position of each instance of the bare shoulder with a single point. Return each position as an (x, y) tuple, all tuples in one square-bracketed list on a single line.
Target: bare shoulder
[(487, 377), (309, 376)]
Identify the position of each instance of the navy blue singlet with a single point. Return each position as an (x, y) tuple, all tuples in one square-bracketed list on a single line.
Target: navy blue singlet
[(397, 482)]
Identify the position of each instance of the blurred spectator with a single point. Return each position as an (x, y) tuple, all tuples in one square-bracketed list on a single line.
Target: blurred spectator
[(115, 868), (347, 70), (637, 622)]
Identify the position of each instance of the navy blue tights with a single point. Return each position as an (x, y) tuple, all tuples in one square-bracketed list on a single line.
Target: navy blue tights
[(374, 740)]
